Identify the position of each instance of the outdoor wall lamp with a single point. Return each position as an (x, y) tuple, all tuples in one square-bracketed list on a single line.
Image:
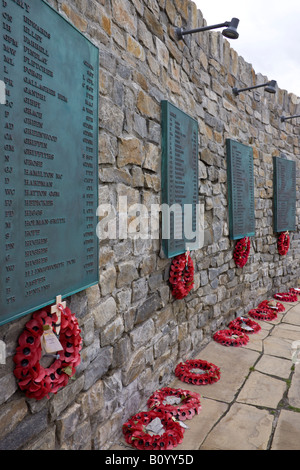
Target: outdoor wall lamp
[(230, 32), (285, 118), (270, 87)]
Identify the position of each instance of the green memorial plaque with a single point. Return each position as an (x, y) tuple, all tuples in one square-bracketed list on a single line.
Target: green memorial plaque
[(284, 176), (49, 158), (180, 193), (240, 178)]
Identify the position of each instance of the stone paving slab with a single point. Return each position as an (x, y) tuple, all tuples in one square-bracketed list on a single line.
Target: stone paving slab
[(294, 391), (286, 436), (244, 427), (279, 347), (276, 366), (262, 390)]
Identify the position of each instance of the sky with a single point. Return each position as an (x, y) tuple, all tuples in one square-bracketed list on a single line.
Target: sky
[(269, 35)]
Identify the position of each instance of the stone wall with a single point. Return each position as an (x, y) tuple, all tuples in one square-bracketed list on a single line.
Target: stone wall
[(133, 331)]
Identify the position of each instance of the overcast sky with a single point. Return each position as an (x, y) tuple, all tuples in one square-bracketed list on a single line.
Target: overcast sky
[(269, 35)]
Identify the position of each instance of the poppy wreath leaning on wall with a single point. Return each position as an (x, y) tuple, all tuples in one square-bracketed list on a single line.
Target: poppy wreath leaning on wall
[(231, 338), (263, 313), (286, 297), (283, 243), (35, 380), (181, 276), (186, 404), (269, 304), (241, 252), (136, 434), (241, 324), (197, 372)]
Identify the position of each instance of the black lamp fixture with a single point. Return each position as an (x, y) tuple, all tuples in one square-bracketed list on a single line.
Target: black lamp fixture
[(285, 118), (270, 87), (229, 32)]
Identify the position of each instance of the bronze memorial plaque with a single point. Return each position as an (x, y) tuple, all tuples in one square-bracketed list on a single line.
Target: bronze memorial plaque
[(240, 176), (49, 158), (284, 176), (180, 193)]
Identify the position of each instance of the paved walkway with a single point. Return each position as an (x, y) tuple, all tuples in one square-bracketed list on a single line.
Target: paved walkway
[(256, 403)]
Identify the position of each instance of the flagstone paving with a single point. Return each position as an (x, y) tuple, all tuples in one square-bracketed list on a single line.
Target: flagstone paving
[(256, 403)]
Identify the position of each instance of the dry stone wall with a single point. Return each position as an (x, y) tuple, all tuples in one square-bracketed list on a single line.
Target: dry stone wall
[(134, 333)]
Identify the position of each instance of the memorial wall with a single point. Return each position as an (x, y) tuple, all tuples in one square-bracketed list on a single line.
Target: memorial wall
[(104, 105)]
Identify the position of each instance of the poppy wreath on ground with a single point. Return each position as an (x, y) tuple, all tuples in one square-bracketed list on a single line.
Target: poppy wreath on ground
[(181, 276), (231, 338), (286, 297), (263, 313), (294, 290), (241, 324), (241, 252), (34, 379), (136, 434), (269, 304), (197, 372), (283, 243), (182, 404)]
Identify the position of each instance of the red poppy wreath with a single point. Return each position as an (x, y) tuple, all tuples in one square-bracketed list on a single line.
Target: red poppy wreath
[(181, 276), (35, 380), (283, 243), (231, 338), (241, 252), (197, 372), (286, 297), (263, 313), (272, 305), (294, 290), (182, 404), (246, 325), (137, 433)]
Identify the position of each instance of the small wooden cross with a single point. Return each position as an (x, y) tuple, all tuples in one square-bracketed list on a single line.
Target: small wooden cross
[(55, 309)]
